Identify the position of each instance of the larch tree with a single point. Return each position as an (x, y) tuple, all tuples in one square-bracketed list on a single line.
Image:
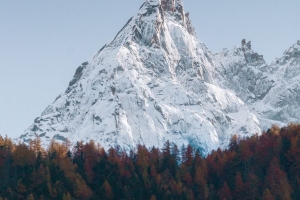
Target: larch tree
[(239, 187), (267, 195), (108, 190), (225, 192), (276, 180)]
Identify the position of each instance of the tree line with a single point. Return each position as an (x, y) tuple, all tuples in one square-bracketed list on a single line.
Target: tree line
[(265, 166)]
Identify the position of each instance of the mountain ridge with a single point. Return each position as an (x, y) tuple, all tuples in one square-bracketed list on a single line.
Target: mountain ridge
[(155, 82), (270, 90)]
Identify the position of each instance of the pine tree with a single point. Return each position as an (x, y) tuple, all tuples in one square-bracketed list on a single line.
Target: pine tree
[(108, 190), (36, 145), (81, 190), (67, 197), (166, 157), (234, 141), (225, 192), (153, 172), (188, 156), (30, 197), (267, 195), (189, 194), (239, 187), (293, 157), (276, 180), (22, 156), (188, 179), (251, 187), (21, 189), (175, 153), (201, 183), (90, 156)]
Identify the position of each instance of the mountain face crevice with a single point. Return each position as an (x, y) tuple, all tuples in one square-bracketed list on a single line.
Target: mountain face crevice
[(155, 81)]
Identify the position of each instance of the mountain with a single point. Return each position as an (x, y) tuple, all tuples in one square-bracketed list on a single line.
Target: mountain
[(154, 82), (243, 71), (271, 91), (283, 99)]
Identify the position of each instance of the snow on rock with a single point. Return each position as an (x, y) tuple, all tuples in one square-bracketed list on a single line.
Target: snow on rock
[(271, 91), (154, 82)]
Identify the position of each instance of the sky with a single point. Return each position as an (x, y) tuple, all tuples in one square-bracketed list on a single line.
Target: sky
[(43, 42)]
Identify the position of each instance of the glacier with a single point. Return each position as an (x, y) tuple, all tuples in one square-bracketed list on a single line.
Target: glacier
[(155, 81)]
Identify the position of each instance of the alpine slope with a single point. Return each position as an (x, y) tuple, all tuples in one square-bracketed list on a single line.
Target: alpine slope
[(155, 81)]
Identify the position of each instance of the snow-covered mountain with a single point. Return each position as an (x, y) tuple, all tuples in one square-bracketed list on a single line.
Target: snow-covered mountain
[(272, 92), (243, 71), (283, 99), (156, 81)]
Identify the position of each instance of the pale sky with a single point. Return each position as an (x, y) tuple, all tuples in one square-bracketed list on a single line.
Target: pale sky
[(43, 42)]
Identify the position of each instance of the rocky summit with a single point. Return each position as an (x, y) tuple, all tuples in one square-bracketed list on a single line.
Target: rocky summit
[(156, 82)]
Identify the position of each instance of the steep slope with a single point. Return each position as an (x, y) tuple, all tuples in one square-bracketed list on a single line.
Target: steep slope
[(270, 91), (243, 71), (154, 82), (284, 98)]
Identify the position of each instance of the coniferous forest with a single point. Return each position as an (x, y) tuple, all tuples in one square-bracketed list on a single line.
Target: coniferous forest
[(265, 166)]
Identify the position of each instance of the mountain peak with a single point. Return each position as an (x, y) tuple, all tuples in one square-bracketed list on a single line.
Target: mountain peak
[(170, 8), (168, 5), (290, 55), (154, 82), (293, 48)]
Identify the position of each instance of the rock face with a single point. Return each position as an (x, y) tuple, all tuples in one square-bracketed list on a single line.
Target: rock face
[(156, 81), (243, 71), (270, 91), (283, 99)]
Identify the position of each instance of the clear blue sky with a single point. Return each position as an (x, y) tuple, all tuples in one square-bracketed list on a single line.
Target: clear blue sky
[(43, 42)]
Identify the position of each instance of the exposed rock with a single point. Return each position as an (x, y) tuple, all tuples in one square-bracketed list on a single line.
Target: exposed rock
[(154, 82), (271, 91)]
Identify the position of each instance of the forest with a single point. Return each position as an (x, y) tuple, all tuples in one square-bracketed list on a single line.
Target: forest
[(265, 166)]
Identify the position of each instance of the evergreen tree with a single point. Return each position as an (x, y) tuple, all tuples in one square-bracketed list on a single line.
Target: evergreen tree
[(267, 195), (108, 190), (225, 192), (30, 197)]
